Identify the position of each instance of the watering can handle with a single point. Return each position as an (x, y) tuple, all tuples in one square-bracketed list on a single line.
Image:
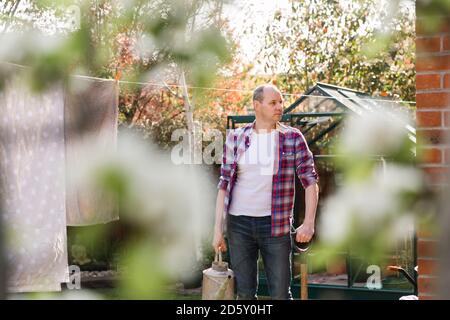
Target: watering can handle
[(218, 256)]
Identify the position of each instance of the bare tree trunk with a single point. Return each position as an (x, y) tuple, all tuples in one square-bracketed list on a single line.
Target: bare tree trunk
[(188, 108), (189, 114)]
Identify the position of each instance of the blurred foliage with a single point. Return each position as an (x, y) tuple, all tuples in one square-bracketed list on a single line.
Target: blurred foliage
[(432, 7), (111, 37), (434, 13), (363, 45)]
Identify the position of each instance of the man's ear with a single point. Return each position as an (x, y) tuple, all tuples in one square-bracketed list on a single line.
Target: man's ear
[(256, 104)]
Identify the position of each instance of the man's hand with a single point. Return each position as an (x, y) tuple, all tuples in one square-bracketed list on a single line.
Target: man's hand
[(304, 233), (219, 242)]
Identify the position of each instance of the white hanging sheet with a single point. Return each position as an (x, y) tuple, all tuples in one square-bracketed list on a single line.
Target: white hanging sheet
[(91, 115), (32, 186)]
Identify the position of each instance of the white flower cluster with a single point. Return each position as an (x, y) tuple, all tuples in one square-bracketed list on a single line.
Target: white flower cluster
[(171, 201), (376, 202), (368, 205), (373, 133)]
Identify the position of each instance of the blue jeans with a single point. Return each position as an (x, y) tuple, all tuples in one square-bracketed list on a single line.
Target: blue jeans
[(246, 237)]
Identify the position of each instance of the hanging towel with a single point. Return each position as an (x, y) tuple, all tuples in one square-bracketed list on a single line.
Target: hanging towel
[(32, 186), (91, 115)]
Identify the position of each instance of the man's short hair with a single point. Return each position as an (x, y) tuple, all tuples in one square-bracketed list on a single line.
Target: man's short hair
[(258, 93)]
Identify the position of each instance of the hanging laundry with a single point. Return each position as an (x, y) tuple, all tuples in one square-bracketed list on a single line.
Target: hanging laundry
[(32, 186), (91, 115)]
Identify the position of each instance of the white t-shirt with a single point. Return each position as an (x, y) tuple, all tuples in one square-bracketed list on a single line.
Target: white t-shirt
[(252, 192)]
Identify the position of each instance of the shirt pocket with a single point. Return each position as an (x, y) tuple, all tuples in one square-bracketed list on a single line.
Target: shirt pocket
[(288, 161), (288, 155)]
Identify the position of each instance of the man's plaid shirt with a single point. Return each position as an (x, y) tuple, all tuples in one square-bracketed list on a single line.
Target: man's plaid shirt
[(294, 157)]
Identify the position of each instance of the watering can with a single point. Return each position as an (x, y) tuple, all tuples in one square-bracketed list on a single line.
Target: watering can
[(218, 281)]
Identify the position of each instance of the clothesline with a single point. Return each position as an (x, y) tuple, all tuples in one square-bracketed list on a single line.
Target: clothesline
[(246, 91), (229, 90)]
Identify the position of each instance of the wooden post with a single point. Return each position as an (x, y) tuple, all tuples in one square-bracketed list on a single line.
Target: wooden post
[(304, 281)]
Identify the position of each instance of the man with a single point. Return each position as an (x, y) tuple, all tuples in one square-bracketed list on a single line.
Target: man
[(256, 196)]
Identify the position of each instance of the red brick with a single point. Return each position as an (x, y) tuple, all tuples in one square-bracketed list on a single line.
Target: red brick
[(433, 100), (447, 119), (436, 63), (430, 136), (428, 81), (427, 285), (428, 119), (447, 80), (447, 156), (427, 266), (429, 44), (436, 175), (446, 42), (431, 155), (427, 248)]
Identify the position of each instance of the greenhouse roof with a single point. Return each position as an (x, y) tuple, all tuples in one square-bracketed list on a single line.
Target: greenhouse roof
[(324, 106)]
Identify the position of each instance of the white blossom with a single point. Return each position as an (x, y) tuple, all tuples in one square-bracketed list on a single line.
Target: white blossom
[(373, 133)]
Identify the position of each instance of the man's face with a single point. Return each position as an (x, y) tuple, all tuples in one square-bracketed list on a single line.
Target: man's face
[(271, 108)]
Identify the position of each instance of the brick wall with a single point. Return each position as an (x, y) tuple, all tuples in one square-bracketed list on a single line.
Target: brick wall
[(433, 126)]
